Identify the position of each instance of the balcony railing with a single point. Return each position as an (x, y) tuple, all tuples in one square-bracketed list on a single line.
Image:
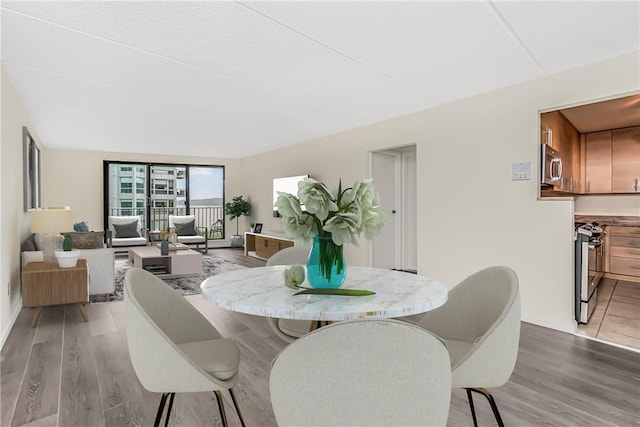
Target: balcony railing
[(210, 217)]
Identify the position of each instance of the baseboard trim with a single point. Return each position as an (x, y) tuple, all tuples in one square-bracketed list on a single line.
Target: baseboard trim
[(622, 277), (568, 327), (12, 321)]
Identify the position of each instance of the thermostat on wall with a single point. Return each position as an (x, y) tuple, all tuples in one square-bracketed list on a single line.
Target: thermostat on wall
[(521, 171)]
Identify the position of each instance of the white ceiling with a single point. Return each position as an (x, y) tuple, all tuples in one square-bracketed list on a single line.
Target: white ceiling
[(234, 78)]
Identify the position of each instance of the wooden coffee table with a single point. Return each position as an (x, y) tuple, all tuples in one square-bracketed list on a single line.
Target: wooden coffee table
[(185, 262), (45, 284)]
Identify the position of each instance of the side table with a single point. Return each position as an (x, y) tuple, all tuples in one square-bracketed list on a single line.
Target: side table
[(45, 284)]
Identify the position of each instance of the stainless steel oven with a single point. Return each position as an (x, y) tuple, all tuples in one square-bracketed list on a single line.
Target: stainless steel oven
[(588, 270)]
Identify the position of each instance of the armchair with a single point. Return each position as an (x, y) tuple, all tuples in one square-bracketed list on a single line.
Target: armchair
[(125, 231), (188, 233)]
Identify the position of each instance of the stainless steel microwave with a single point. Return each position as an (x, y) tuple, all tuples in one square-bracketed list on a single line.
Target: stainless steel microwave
[(551, 162)]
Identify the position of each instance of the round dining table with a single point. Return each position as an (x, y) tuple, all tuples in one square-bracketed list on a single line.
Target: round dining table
[(261, 291)]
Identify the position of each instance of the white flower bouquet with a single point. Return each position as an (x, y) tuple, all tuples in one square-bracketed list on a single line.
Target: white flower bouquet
[(333, 219), (345, 216)]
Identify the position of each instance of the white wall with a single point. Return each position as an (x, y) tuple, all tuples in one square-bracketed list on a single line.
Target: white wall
[(470, 214), (74, 178), (14, 222)]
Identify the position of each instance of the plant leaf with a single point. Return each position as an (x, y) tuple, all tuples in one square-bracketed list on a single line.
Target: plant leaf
[(345, 292)]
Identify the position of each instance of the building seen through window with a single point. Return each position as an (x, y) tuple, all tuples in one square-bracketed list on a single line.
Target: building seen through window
[(163, 190)]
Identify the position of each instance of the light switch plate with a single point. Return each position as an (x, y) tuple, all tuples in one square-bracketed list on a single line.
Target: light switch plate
[(521, 171)]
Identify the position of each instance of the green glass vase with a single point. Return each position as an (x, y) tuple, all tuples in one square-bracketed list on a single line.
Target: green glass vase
[(326, 267), (164, 247)]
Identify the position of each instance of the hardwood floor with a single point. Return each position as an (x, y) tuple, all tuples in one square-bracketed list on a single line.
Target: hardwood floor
[(67, 372)]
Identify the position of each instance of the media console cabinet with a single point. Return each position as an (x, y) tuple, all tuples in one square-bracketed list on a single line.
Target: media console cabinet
[(263, 245)]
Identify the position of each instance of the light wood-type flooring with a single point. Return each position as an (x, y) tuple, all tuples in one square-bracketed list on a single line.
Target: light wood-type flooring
[(616, 317), (68, 372)]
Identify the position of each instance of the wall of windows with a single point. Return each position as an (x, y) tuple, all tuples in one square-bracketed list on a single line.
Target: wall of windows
[(155, 191)]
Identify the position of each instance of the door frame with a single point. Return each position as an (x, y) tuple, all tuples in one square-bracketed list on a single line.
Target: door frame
[(400, 201)]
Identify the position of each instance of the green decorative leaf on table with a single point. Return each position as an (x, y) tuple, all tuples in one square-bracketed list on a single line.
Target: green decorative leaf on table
[(344, 292), (294, 277)]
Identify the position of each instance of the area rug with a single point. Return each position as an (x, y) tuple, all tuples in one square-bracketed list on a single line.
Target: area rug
[(211, 265)]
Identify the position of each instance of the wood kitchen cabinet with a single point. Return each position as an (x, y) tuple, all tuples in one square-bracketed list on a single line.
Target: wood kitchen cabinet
[(598, 162), (625, 160), (624, 250), (612, 161)]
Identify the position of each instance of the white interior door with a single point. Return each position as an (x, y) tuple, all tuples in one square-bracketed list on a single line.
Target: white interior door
[(386, 174), (410, 212)]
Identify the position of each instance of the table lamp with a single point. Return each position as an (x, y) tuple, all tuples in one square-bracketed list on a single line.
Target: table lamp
[(56, 221)]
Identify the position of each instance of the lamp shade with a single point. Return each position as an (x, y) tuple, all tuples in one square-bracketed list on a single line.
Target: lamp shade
[(52, 220)]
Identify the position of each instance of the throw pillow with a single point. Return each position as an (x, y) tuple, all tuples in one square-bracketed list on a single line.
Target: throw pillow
[(29, 245), (82, 227), (90, 240), (48, 243), (186, 228), (126, 230)]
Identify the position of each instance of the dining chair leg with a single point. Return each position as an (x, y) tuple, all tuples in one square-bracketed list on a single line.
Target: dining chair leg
[(163, 401), (235, 403), (492, 402), (473, 409), (223, 414), (166, 420)]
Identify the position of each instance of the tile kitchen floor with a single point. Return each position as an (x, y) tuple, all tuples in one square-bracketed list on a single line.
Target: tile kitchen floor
[(616, 318)]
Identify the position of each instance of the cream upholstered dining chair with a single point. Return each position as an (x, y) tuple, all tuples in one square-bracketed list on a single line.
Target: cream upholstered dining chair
[(362, 372), (173, 347), (480, 323), (289, 329), (188, 233)]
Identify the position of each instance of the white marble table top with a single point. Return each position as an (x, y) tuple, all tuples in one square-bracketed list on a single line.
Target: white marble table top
[(261, 291)]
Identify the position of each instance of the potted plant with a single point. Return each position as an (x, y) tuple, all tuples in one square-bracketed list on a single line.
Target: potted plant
[(67, 257), (235, 209)]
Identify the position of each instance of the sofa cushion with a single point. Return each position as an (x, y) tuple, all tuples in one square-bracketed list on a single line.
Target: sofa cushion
[(90, 240), (29, 245), (82, 227), (48, 243), (31, 256), (129, 241), (191, 239), (129, 229), (101, 270), (186, 228)]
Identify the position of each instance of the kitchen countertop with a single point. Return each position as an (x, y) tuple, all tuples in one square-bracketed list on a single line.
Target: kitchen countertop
[(624, 221)]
